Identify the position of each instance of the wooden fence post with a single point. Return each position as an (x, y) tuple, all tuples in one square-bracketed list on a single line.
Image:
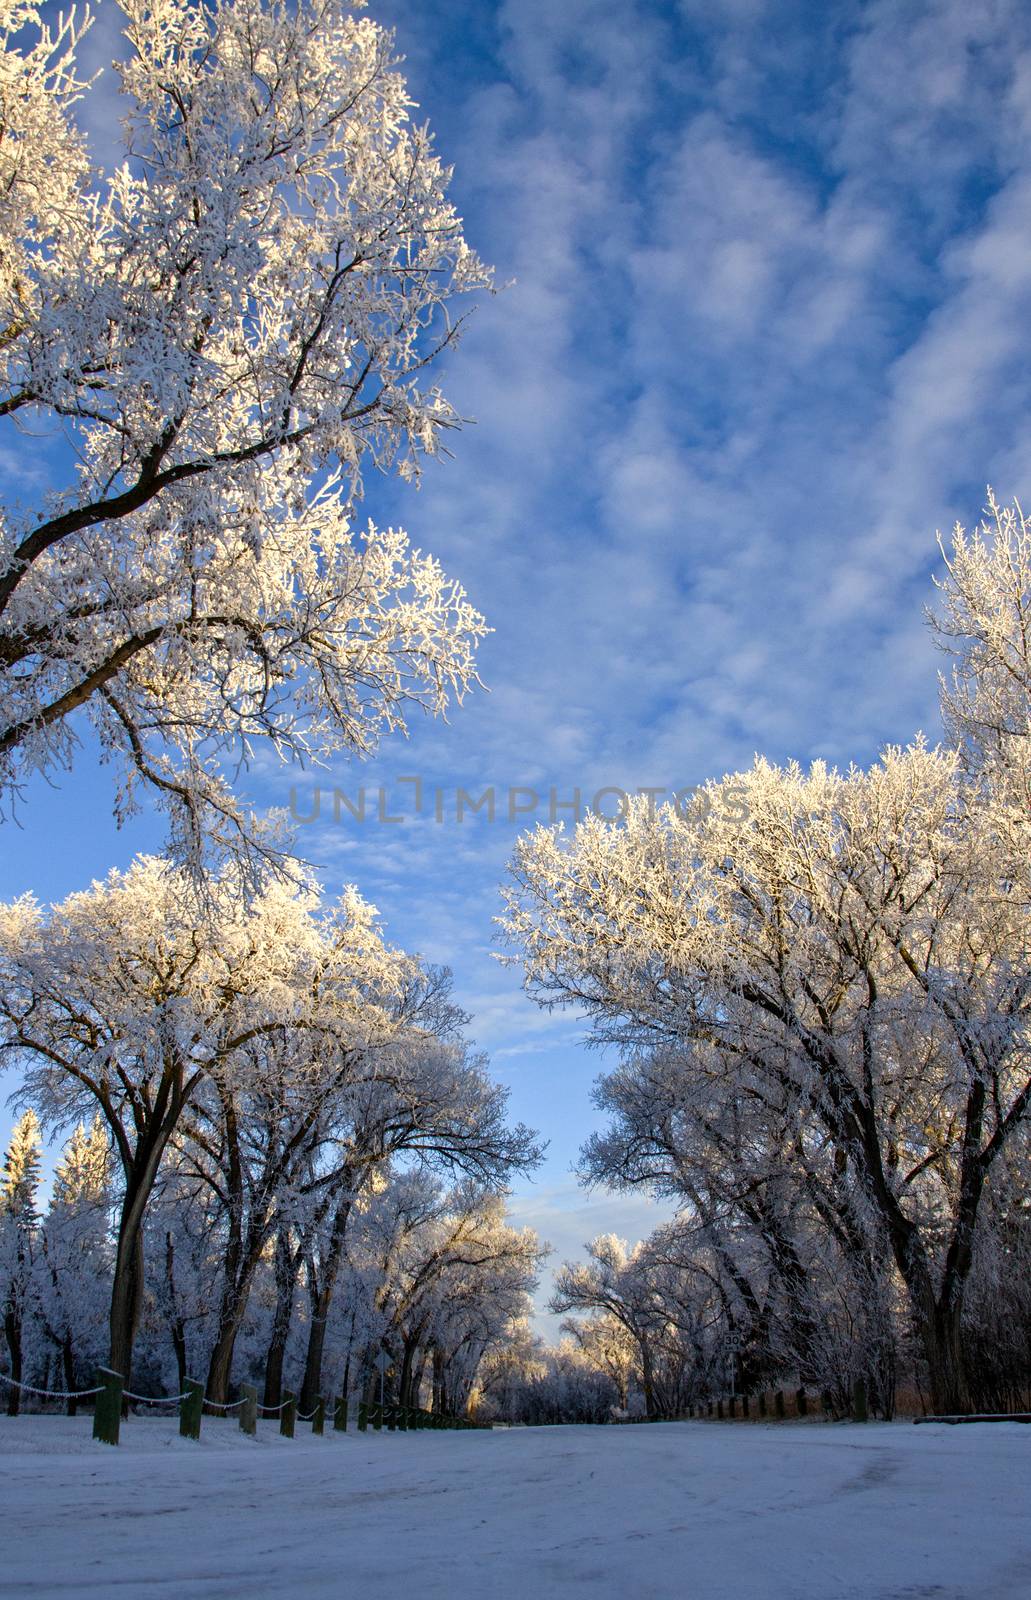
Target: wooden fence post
[(288, 1415), (249, 1409), (719, 1410), (778, 1403), (318, 1421), (732, 1406), (762, 1402), (391, 1418), (802, 1403), (377, 1417), (859, 1407), (340, 1414), (744, 1405), (107, 1407), (191, 1409)]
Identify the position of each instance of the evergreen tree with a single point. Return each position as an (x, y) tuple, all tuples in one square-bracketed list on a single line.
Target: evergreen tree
[(19, 1182), (74, 1276), (82, 1173), (19, 1186)]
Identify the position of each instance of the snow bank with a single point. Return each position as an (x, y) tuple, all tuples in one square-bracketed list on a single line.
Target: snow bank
[(650, 1513)]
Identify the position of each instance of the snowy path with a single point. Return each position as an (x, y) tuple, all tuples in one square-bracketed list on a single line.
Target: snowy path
[(670, 1512)]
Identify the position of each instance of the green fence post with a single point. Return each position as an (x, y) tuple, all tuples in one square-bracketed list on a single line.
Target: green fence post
[(802, 1403), (107, 1407), (191, 1409), (744, 1405), (318, 1421), (340, 1414), (391, 1418), (288, 1415), (859, 1407), (762, 1402), (377, 1417), (732, 1406), (719, 1409), (249, 1409), (778, 1403), (363, 1416)]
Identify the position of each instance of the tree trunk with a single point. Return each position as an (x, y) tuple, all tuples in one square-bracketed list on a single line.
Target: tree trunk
[(126, 1300), (12, 1333), (941, 1337), (938, 1324), (311, 1386), (141, 1170), (410, 1348), (648, 1382), (233, 1306), (439, 1388), (417, 1376), (286, 1279), (235, 1271), (221, 1364), (68, 1368), (176, 1326)]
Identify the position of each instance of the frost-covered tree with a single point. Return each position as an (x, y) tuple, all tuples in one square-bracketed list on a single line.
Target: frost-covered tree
[(771, 1224), (615, 1281), (531, 1382), (73, 1277), (843, 941), (451, 1282), (422, 1096), (133, 996), (984, 624), (230, 329), (19, 1221)]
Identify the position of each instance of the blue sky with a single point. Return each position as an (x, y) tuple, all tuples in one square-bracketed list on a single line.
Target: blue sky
[(766, 333)]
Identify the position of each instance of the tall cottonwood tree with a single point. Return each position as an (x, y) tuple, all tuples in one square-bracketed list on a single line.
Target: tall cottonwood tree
[(135, 995), (849, 943), (423, 1097), (230, 329)]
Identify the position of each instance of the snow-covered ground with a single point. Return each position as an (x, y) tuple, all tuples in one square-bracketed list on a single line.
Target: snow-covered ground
[(684, 1510)]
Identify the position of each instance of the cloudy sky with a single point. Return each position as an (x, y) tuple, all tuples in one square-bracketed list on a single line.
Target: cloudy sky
[(764, 333)]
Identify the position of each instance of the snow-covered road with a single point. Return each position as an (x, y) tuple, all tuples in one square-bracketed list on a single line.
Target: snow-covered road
[(679, 1510)]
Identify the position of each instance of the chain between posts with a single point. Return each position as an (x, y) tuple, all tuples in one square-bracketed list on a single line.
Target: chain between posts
[(110, 1397), (49, 1394)]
